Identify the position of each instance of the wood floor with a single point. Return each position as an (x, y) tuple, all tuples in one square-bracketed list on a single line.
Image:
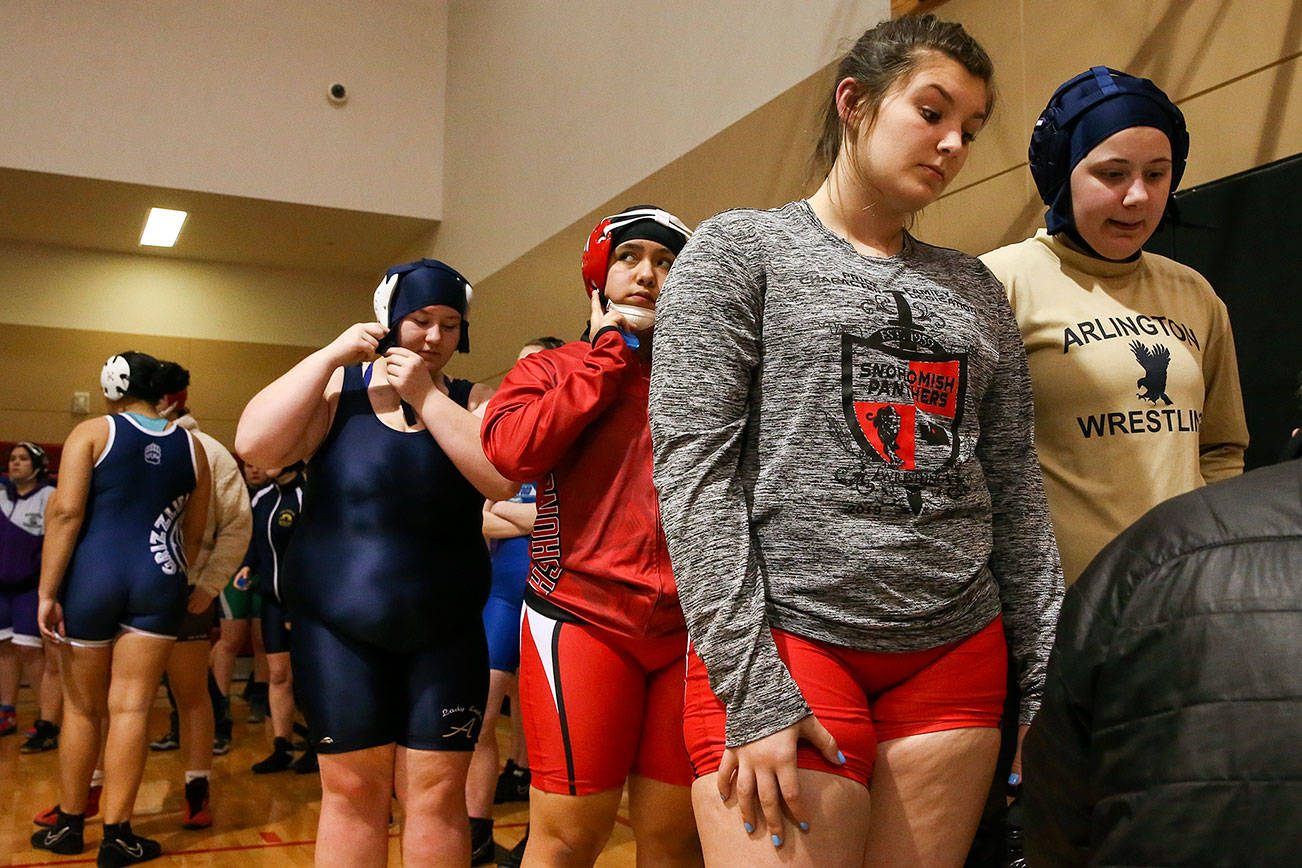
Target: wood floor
[(259, 820)]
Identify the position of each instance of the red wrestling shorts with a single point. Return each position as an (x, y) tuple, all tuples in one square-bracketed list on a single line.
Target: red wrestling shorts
[(599, 706), (866, 697)]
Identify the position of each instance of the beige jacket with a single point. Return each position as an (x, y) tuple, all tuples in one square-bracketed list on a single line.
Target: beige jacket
[(230, 520)]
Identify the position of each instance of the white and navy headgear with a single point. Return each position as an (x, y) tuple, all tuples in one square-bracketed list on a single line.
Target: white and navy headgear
[(408, 288)]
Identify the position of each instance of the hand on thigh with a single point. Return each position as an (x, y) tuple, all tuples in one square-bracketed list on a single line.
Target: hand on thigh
[(837, 811)]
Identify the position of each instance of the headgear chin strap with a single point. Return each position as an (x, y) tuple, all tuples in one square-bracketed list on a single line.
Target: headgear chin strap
[(657, 225), (1082, 113), (115, 378), (408, 288)]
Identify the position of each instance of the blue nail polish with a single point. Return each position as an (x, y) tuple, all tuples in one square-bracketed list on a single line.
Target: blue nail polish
[(1014, 779), (804, 827), (749, 828), (840, 757), (722, 797), (777, 842)]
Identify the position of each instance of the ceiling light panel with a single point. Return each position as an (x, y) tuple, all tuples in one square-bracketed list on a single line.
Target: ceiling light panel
[(162, 227)]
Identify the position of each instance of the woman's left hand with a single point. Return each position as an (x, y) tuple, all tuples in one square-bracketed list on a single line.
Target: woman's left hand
[(407, 373), (49, 618), (1015, 776), (200, 599)]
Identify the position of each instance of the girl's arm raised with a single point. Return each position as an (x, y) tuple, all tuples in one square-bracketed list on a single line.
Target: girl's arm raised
[(288, 419)]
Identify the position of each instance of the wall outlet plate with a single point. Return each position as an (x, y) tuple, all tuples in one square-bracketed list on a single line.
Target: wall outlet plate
[(81, 403)]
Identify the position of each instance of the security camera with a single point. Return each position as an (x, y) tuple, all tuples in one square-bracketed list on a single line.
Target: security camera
[(338, 94)]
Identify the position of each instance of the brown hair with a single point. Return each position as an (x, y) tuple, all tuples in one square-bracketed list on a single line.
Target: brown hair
[(883, 59)]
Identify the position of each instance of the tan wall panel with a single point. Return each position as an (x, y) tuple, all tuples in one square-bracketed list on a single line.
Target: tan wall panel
[(551, 113), (61, 287), (759, 162), (1245, 124), (1186, 47), (46, 365), (990, 214), (998, 27)]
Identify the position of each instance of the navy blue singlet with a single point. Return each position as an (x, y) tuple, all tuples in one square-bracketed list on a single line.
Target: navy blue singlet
[(389, 547), (276, 510), (128, 568)]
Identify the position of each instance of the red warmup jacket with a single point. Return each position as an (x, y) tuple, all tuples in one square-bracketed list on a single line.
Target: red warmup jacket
[(573, 420)]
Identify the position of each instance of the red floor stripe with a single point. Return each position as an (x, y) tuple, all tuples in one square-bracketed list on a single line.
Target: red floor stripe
[(271, 837), (623, 820)]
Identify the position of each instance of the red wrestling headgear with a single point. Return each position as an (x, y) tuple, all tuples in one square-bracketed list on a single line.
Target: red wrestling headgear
[(660, 226)]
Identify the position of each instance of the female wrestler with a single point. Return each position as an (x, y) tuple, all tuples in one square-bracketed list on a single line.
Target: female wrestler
[(240, 611), (126, 520), (507, 525), (848, 480), (23, 498), (276, 510), (387, 572), (225, 539), (1132, 360), (602, 645)]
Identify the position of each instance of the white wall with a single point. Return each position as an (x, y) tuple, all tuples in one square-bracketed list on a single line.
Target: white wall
[(556, 107), (229, 96)]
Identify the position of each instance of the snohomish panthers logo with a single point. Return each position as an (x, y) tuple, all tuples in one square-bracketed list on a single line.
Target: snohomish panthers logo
[(902, 397)]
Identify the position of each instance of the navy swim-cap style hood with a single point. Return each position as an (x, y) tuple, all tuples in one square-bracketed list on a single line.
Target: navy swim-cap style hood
[(408, 288), (1082, 113)]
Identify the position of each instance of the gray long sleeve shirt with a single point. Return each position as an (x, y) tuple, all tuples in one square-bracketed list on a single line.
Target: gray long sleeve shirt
[(844, 450)]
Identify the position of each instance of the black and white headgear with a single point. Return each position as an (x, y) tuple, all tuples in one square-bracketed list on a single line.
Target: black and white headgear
[(115, 378)]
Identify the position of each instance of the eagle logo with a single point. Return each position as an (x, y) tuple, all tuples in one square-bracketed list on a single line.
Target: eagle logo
[(1154, 362)]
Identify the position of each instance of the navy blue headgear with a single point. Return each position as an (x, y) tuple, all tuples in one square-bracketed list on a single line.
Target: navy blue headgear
[(408, 288), (1084, 111)]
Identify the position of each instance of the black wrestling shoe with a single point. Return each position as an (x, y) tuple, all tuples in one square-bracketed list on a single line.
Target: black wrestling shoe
[(66, 838), (170, 740), (198, 814), (45, 736), (122, 847), (281, 759), (512, 784), (482, 846)]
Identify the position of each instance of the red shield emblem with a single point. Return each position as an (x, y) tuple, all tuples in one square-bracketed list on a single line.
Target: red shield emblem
[(903, 398)]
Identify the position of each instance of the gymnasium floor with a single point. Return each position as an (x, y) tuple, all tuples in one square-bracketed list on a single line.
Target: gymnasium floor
[(260, 820)]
